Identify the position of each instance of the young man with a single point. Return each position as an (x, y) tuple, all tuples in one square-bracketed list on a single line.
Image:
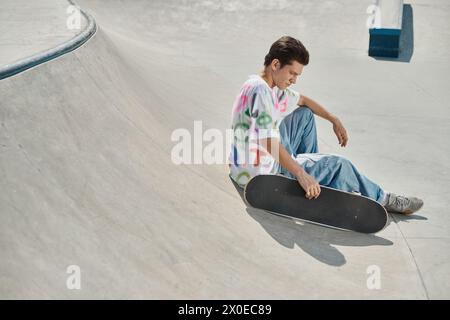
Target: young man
[(275, 133)]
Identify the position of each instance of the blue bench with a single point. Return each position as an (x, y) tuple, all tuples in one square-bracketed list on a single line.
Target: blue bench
[(385, 32)]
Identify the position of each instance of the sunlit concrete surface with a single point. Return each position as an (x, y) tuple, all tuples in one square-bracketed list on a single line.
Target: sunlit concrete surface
[(27, 28), (86, 175)]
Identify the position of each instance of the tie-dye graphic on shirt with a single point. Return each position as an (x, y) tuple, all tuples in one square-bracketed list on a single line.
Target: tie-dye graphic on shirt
[(256, 114)]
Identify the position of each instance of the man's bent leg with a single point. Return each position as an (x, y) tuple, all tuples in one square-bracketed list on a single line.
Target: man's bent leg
[(298, 132)]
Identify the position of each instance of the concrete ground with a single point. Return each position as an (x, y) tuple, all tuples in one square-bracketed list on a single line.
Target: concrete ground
[(87, 177), (27, 29)]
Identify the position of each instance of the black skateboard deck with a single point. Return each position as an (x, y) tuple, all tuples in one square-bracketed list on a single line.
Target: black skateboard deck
[(334, 208)]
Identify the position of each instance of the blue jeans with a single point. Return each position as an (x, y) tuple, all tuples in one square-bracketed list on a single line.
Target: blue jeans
[(299, 137)]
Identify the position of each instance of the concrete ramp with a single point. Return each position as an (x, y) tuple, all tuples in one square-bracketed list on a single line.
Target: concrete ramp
[(87, 179)]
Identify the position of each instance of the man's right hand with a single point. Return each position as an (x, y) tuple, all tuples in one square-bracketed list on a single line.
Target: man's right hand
[(309, 184)]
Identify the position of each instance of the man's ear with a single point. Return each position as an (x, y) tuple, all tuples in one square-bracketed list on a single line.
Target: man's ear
[(275, 64)]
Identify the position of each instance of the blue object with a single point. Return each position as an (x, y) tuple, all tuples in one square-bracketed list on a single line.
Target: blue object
[(384, 42), (385, 32)]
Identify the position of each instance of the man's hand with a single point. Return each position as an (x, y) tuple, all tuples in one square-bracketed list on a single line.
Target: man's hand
[(320, 111), (309, 184), (276, 149), (340, 132)]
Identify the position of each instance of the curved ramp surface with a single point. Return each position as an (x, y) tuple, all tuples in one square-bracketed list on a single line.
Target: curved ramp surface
[(30, 28), (87, 177)]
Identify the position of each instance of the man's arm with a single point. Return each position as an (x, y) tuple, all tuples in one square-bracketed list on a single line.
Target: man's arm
[(316, 108), (279, 153)]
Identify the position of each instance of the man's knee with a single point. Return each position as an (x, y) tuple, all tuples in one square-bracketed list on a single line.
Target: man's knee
[(304, 111), (299, 115), (302, 114), (341, 161)]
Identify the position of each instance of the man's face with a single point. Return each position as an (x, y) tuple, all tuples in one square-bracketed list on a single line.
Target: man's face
[(287, 75)]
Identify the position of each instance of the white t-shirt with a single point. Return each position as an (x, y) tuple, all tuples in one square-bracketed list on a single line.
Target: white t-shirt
[(257, 114)]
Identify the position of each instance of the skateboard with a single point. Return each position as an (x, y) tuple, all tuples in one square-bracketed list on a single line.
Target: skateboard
[(333, 208)]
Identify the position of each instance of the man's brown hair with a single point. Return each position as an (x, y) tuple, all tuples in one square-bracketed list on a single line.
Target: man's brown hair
[(287, 49)]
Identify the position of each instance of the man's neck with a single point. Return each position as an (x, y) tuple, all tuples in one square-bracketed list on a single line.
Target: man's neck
[(267, 78)]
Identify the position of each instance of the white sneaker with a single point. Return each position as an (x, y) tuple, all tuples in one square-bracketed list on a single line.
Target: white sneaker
[(401, 204)]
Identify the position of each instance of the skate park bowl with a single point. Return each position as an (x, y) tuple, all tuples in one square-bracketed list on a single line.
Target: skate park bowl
[(93, 205)]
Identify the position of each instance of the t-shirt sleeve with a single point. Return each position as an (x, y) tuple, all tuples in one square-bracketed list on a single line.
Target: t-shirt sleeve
[(262, 125)]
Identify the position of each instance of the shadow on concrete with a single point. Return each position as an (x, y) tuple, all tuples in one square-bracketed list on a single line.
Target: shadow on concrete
[(394, 217), (406, 45), (315, 240), (406, 218)]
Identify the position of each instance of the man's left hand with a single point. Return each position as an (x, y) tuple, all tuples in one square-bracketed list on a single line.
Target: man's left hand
[(340, 132)]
